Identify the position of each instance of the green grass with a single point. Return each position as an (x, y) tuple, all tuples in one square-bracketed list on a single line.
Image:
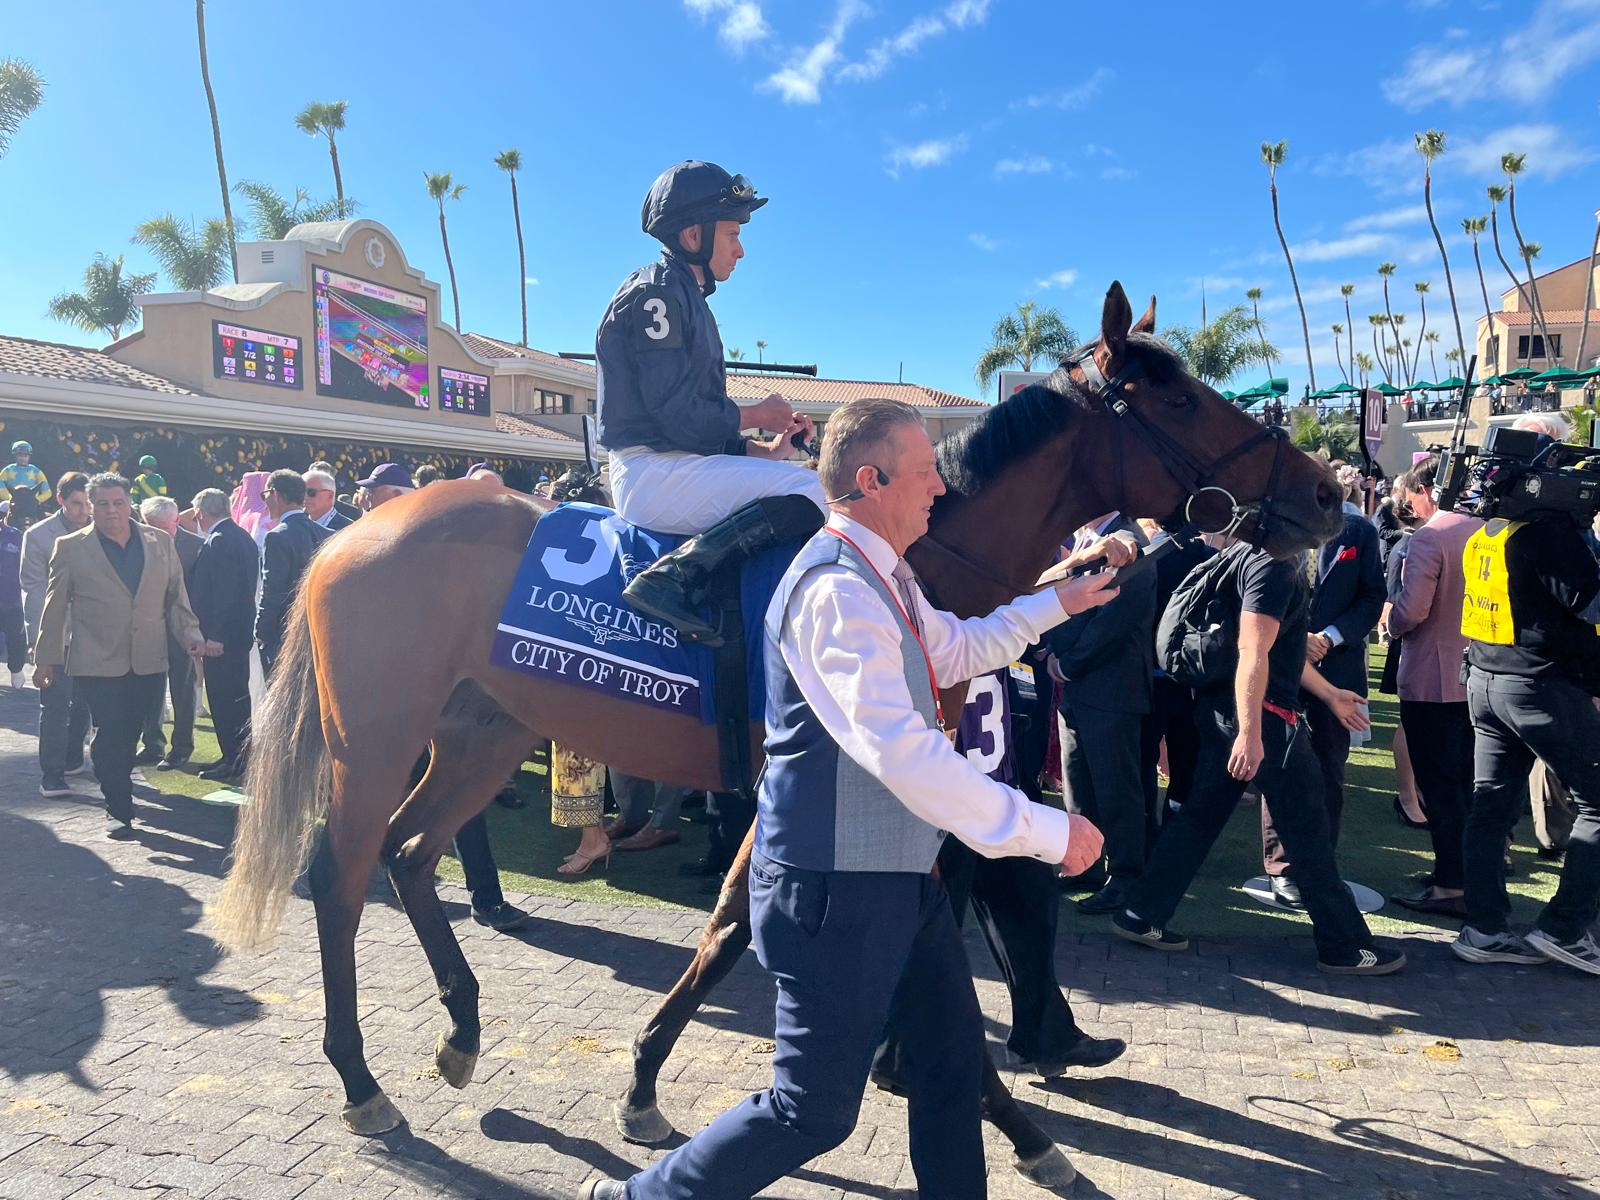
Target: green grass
[(1374, 849)]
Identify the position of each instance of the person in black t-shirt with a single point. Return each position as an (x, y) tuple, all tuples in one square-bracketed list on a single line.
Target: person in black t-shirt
[(1251, 730), (1535, 696)]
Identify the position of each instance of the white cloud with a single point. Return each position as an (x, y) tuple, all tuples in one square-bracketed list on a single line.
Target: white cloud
[(960, 14), (1094, 151), (1060, 279), (1071, 98), (1393, 168), (1373, 245), (1117, 174), (741, 23), (1410, 214), (800, 81), (984, 242), (934, 152), (1525, 66), (1028, 164), (529, 281)]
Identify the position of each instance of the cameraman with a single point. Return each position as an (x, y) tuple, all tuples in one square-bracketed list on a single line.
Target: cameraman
[(1532, 604)]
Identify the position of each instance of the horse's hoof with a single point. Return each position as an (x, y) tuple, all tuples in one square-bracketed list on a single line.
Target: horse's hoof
[(455, 1066), (371, 1117), (642, 1126), (1048, 1169)]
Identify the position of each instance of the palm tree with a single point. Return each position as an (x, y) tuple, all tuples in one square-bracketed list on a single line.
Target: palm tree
[(1513, 165), (273, 214), (1378, 321), (1422, 299), (1430, 145), (1220, 349), (735, 354), (1273, 154), (1347, 290), (21, 91), (1338, 350), (1496, 195), (193, 258), (1530, 251), (510, 161), (1473, 227), (1404, 369), (441, 189), (327, 118), (1363, 363), (216, 136), (106, 302), (1588, 293), (1335, 439), (1254, 296), (761, 345), (1432, 338), (1385, 270), (1016, 340)]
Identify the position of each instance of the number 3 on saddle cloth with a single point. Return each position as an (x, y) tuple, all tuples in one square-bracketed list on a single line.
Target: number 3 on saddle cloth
[(565, 620)]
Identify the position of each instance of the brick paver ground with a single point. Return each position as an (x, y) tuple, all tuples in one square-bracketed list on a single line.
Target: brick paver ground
[(136, 1062)]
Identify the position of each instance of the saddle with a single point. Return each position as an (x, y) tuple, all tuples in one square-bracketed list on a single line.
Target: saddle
[(565, 619)]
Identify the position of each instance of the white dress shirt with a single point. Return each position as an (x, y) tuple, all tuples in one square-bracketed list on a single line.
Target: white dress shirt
[(842, 645)]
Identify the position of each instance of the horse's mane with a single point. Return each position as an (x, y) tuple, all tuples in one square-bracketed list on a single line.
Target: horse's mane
[(1022, 423)]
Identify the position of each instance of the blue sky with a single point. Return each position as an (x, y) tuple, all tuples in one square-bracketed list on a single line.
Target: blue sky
[(931, 163)]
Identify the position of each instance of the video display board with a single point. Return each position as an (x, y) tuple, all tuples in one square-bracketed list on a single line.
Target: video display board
[(463, 392), (245, 355), (372, 341)]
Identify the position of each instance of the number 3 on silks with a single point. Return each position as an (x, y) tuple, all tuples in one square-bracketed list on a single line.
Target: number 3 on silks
[(658, 321)]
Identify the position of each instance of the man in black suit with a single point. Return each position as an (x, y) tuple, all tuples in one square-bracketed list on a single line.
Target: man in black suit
[(160, 512), (285, 554), (222, 593), (1172, 709), (322, 501), (1104, 659), (1347, 597)]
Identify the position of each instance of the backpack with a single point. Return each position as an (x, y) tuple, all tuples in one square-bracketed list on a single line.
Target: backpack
[(1197, 636)]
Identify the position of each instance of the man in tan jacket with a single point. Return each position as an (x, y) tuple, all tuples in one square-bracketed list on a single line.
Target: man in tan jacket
[(115, 590)]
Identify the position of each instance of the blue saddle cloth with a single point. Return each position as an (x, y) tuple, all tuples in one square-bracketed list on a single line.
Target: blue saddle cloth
[(565, 619)]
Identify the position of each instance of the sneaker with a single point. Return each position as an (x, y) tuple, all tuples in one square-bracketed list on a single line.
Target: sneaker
[(1377, 960), (54, 785), (1475, 947), (502, 917), (1136, 929), (603, 1189), (1582, 954), (119, 830)]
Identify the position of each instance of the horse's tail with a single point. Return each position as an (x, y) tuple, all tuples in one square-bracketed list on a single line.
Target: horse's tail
[(289, 780)]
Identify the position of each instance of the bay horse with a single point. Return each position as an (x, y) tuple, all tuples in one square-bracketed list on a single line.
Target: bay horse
[(387, 651)]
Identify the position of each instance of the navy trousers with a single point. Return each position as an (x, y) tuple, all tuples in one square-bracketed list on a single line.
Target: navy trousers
[(842, 945)]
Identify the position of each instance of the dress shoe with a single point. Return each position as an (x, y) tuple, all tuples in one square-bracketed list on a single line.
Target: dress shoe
[(1287, 892), (221, 772), (172, 762), (705, 868), (1400, 811), (1091, 880), (1426, 901), (502, 918), (649, 838), (1086, 1052), (1107, 900), (119, 830), (147, 757), (619, 829)]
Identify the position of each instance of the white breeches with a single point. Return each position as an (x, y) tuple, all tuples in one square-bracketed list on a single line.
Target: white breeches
[(671, 491)]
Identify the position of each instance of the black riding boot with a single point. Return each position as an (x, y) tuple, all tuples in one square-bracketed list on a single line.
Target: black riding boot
[(674, 588)]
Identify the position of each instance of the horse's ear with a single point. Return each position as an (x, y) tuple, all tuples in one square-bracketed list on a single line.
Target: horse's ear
[(1115, 319), (1147, 323)]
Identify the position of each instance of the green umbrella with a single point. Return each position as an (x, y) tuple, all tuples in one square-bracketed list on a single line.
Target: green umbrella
[(1494, 381), (1278, 386), (1321, 396), (1424, 386), (1228, 395), (1388, 389), (1556, 375), (1344, 388), (1519, 373), (1454, 383)]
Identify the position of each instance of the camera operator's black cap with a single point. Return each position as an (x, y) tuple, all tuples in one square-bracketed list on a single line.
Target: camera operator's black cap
[(696, 193)]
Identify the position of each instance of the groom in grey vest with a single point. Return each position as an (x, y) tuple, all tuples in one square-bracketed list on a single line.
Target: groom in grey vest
[(861, 786)]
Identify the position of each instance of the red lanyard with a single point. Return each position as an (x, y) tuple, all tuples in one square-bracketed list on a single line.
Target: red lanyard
[(933, 683)]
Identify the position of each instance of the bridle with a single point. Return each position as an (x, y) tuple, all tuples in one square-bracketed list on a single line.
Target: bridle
[(1189, 473)]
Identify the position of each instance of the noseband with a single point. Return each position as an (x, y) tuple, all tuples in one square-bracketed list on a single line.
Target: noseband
[(1190, 474)]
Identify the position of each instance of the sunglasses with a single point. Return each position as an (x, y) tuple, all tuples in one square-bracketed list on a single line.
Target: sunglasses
[(315, 491)]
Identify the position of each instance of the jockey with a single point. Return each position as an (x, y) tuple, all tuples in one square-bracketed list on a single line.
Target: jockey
[(148, 483), (22, 475), (678, 461)]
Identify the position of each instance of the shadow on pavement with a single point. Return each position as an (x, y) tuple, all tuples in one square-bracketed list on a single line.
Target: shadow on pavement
[(73, 928)]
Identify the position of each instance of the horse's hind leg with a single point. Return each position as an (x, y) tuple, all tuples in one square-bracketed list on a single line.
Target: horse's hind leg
[(1038, 1160), (338, 878), (725, 937), (469, 763)]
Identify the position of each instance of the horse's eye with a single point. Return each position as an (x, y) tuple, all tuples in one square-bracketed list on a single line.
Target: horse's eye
[(1182, 400)]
